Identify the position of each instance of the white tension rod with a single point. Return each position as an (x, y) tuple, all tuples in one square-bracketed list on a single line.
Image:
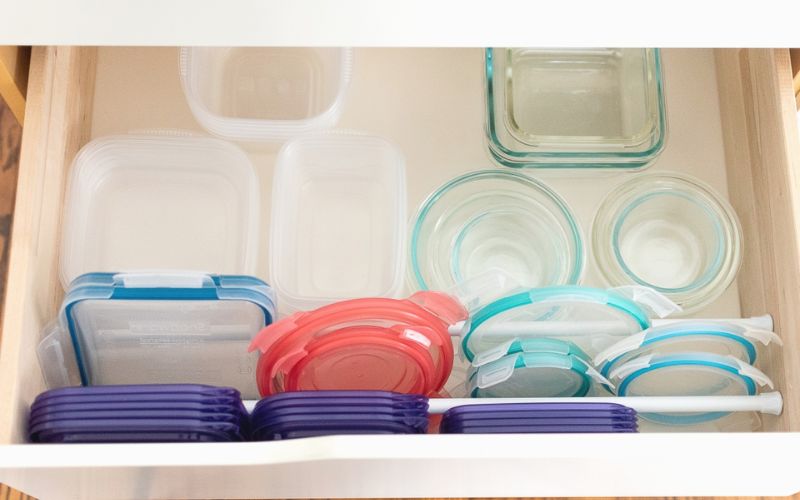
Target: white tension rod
[(768, 402), (565, 328)]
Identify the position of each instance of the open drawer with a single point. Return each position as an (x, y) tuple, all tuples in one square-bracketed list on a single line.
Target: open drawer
[(735, 128)]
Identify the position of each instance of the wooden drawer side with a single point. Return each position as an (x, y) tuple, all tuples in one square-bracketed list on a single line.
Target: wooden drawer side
[(58, 114), (762, 152)]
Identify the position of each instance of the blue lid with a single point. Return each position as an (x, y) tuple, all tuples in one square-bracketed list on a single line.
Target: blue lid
[(687, 374), (134, 328), (714, 337)]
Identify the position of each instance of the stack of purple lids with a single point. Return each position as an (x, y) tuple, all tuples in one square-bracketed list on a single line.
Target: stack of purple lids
[(515, 418), (320, 413), (138, 413)]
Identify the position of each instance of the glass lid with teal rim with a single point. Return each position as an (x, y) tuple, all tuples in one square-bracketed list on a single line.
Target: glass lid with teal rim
[(714, 337), (533, 375), (687, 374), (592, 318)]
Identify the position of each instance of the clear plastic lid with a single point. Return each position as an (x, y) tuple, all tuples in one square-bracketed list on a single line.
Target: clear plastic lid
[(140, 328), (320, 182), (265, 93), (713, 337), (564, 312), (534, 374), (161, 202), (687, 374)]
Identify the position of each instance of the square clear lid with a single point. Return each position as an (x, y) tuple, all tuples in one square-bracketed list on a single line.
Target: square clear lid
[(160, 201), (180, 327)]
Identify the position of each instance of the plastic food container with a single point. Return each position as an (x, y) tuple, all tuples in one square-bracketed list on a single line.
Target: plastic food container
[(592, 318), (669, 232), (158, 202), (535, 374), (714, 337), (575, 108), (321, 181), (265, 93), (361, 344), (687, 374), (140, 328), (495, 220)]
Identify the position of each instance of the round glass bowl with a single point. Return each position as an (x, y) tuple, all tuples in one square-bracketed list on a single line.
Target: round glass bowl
[(669, 232), (495, 220)]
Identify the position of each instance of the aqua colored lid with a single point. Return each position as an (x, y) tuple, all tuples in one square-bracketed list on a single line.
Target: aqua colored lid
[(554, 304)]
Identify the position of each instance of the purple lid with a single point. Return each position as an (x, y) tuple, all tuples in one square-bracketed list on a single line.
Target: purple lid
[(322, 402), (318, 433), (141, 389), (533, 429), (134, 437), (512, 422), (351, 420), (122, 406), (338, 410), (333, 428), (137, 414), (134, 426), (137, 398), (534, 407), (382, 395), (542, 414)]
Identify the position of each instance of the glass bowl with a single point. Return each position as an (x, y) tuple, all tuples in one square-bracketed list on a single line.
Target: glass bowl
[(575, 108), (495, 220), (669, 232)]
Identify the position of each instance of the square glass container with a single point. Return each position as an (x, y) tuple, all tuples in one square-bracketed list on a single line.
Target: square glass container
[(575, 108)]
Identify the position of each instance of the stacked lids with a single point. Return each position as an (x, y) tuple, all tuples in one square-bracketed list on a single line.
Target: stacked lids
[(361, 344), (320, 413), (138, 413), (538, 342), (534, 368), (688, 358), (515, 418)]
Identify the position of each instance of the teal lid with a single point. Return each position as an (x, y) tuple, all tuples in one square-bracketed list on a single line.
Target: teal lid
[(554, 301), (534, 374)]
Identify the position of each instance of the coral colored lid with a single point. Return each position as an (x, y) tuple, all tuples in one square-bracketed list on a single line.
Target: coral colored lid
[(364, 360), (424, 317)]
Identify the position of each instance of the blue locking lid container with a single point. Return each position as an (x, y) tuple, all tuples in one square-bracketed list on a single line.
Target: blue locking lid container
[(182, 327)]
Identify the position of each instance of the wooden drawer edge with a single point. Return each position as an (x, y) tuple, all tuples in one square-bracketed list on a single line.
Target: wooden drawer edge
[(60, 94)]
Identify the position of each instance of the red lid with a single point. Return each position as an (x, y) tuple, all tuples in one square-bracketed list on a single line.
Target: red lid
[(364, 359), (286, 343)]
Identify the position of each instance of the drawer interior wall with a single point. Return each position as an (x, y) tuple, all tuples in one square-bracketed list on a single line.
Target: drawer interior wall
[(729, 124)]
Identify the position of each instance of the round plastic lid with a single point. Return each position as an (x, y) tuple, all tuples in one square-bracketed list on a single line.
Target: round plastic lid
[(421, 319), (687, 374), (363, 361), (565, 309), (713, 337), (534, 374)]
